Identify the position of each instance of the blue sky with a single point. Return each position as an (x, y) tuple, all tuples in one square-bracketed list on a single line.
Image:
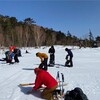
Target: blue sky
[(77, 16)]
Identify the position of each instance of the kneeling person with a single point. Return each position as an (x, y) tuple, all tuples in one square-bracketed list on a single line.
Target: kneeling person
[(43, 77)]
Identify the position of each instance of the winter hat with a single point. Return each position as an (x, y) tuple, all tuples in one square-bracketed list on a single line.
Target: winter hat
[(66, 49), (36, 70)]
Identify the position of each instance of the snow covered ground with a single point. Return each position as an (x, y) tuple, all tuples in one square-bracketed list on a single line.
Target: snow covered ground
[(84, 74)]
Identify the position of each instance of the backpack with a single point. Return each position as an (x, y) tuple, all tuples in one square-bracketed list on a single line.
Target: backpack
[(76, 94)]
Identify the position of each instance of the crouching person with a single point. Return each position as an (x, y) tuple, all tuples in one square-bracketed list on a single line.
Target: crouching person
[(44, 60), (44, 78), (9, 57)]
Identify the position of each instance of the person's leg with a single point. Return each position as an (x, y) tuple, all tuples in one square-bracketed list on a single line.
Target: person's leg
[(45, 64), (9, 61), (41, 66), (16, 58), (47, 93), (71, 62), (52, 59), (67, 62)]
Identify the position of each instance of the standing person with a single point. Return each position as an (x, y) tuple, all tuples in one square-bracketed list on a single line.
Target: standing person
[(52, 55), (44, 60), (69, 56), (43, 77)]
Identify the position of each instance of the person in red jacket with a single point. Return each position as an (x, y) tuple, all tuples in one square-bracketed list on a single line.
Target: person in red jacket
[(44, 78)]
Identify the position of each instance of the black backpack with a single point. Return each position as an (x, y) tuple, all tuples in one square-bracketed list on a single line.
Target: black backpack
[(76, 94)]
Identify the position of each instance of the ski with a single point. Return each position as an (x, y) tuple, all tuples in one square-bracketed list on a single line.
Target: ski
[(59, 92), (56, 65), (50, 65), (62, 91), (58, 78), (26, 84)]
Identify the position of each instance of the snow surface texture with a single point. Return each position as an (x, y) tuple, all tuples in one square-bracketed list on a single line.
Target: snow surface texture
[(84, 74)]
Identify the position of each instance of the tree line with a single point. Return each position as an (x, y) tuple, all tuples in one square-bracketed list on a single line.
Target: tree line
[(27, 34)]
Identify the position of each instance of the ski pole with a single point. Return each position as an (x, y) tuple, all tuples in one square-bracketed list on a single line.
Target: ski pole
[(62, 83), (58, 78), (57, 75)]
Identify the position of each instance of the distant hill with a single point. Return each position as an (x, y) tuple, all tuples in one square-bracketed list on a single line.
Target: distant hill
[(27, 34)]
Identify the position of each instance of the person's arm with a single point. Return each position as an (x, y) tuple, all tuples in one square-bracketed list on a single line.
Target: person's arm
[(41, 59), (66, 57), (38, 84)]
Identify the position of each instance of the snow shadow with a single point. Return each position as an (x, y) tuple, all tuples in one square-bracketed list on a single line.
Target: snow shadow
[(26, 89), (60, 65), (36, 64), (28, 68), (37, 94), (55, 64)]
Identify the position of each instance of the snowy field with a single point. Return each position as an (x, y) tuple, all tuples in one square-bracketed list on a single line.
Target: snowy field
[(84, 74)]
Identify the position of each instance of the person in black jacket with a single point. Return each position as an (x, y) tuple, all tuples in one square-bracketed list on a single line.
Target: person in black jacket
[(69, 56), (52, 55)]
